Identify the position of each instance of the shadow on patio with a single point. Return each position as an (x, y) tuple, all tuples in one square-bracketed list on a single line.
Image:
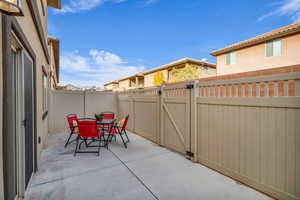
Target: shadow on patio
[(143, 171)]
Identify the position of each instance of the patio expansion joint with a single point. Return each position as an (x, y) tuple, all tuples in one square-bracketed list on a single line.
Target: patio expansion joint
[(131, 171), (76, 175)]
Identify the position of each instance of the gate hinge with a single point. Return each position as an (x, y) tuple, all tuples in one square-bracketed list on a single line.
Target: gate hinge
[(190, 86), (190, 154)]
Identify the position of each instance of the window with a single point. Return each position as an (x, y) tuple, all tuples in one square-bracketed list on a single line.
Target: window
[(274, 48), (45, 93), (230, 58)]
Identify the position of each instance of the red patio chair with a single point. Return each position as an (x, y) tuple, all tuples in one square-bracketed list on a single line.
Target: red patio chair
[(108, 115), (72, 121), (88, 130), (120, 129)]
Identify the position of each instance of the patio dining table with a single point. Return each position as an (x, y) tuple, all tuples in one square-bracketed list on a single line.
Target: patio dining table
[(107, 122)]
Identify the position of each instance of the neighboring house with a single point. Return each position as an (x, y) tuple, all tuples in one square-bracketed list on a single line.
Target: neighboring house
[(112, 86), (28, 67), (277, 48), (181, 70), (130, 82)]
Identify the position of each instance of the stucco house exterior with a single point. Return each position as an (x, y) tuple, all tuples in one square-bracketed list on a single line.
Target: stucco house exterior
[(111, 86), (171, 72), (203, 69), (29, 65), (277, 48)]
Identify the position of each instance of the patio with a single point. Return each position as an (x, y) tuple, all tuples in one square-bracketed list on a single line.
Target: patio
[(142, 171)]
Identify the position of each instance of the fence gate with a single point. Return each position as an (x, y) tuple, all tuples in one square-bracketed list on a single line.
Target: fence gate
[(176, 118)]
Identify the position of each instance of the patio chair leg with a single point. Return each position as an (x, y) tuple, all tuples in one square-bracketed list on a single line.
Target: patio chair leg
[(125, 145), (86, 144), (126, 136), (77, 141), (81, 143), (99, 146), (69, 139)]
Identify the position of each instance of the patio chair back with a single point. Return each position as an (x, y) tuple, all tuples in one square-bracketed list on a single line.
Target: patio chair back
[(87, 128), (108, 115), (124, 123), (71, 119)]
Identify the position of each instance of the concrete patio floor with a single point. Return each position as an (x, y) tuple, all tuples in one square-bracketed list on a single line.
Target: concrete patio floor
[(143, 171)]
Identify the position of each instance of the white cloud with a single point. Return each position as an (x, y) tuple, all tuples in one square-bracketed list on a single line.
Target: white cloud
[(147, 2), (97, 68), (75, 6), (289, 8)]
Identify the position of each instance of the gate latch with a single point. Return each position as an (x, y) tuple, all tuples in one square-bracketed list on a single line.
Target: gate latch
[(190, 86), (190, 154)]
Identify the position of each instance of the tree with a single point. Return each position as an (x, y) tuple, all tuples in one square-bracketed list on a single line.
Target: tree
[(158, 79), (189, 72)]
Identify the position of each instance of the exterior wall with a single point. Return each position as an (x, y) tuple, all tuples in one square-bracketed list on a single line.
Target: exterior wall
[(27, 24), (141, 82), (109, 87), (84, 104), (254, 58), (207, 71), (1, 115), (124, 84)]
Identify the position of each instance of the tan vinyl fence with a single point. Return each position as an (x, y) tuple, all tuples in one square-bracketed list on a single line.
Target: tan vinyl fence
[(143, 107), (82, 103), (245, 128)]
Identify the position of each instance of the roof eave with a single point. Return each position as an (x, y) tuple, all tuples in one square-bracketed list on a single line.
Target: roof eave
[(255, 42), (54, 3), (180, 62)]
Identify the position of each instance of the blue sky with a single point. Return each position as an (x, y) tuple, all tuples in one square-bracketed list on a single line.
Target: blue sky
[(104, 40)]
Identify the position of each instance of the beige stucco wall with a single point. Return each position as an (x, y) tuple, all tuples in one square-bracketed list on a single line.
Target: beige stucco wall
[(124, 84), (111, 86), (1, 116), (254, 58), (206, 73), (27, 24)]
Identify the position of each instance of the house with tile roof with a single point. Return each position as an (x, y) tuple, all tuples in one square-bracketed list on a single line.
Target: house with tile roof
[(179, 70), (274, 49)]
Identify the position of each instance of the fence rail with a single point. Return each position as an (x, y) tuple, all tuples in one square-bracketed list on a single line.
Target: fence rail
[(245, 126)]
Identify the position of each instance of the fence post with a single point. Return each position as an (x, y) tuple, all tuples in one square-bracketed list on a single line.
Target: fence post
[(131, 110), (162, 116), (193, 118), (117, 105), (84, 104)]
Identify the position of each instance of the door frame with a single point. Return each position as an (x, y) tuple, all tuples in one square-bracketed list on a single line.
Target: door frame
[(11, 28)]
